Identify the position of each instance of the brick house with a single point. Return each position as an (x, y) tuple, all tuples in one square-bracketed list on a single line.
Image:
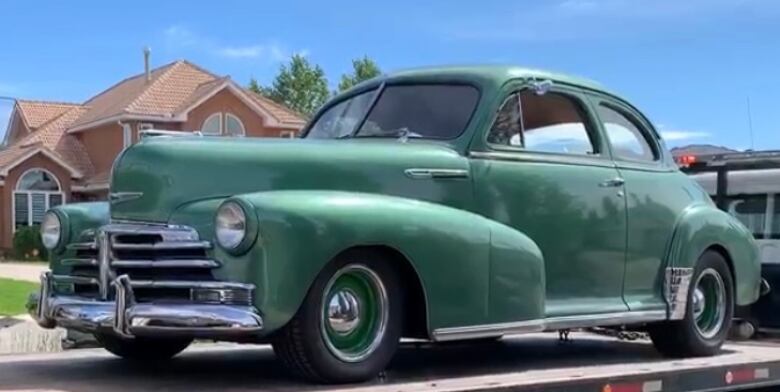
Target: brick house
[(62, 152)]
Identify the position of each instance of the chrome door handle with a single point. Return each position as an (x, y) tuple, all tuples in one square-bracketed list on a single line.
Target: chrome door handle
[(614, 182)]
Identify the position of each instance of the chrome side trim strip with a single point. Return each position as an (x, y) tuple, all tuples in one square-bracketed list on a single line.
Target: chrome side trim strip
[(676, 284), (73, 279), (163, 245), (205, 263), (187, 284), (421, 174), (487, 330), (548, 324), (79, 262), (121, 197), (604, 320), (82, 246)]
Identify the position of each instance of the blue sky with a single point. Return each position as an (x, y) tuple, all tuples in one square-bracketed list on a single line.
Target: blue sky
[(690, 65)]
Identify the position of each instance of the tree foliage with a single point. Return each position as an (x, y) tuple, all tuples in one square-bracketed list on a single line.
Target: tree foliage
[(362, 69), (299, 85)]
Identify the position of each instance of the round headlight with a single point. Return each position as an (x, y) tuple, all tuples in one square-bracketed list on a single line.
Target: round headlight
[(230, 225), (51, 230)]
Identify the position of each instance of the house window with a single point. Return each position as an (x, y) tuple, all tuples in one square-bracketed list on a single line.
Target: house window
[(212, 125), (231, 126), (127, 135), (36, 191), (287, 134)]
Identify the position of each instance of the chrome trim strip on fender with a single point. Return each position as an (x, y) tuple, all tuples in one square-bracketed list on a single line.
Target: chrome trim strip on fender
[(420, 174), (676, 284), (548, 324), (121, 197)]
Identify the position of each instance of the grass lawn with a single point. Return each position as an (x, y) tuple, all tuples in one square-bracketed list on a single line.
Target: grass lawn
[(13, 296)]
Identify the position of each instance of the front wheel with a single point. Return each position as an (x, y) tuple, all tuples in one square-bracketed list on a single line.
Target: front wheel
[(142, 349), (348, 327), (708, 315)]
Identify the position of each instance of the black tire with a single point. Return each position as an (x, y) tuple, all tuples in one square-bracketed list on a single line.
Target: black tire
[(682, 338), (301, 345), (142, 349)]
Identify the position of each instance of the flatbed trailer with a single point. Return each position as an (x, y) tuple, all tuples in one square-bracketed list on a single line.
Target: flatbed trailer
[(538, 362)]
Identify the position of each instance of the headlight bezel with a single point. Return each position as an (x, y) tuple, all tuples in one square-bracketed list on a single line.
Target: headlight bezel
[(61, 221), (250, 227)]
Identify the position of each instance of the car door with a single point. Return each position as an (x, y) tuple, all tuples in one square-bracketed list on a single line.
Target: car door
[(655, 197), (542, 168)]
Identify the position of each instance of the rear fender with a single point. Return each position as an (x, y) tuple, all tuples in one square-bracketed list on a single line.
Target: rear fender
[(703, 227)]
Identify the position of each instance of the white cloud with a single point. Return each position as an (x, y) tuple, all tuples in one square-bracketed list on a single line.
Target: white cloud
[(273, 52), (684, 135), (178, 35), (182, 37)]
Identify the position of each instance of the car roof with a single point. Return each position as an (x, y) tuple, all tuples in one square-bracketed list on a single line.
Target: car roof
[(495, 75), (498, 73)]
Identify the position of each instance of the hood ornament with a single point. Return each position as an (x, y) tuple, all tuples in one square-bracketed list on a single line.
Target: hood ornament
[(121, 197)]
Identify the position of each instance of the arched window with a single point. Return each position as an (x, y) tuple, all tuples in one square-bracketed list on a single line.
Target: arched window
[(233, 125), (212, 125), (36, 191)]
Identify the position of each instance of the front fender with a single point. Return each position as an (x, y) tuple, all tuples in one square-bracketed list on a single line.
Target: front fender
[(703, 226), (77, 219), (451, 250)]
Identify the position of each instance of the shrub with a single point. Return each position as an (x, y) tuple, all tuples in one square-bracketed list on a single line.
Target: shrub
[(28, 245)]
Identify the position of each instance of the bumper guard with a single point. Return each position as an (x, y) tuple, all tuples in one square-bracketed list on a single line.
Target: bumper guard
[(127, 318)]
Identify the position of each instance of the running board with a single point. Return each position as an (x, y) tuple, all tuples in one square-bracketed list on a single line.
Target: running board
[(548, 324)]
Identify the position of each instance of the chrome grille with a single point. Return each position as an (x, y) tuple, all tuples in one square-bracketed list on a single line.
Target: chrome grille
[(163, 262)]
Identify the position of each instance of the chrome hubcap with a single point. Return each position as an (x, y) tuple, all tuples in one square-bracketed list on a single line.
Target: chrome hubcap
[(355, 312), (698, 303), (709, 303), (343, 312)]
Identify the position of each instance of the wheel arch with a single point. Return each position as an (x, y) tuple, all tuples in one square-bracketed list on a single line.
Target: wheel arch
[(703, 227), (415, 298)]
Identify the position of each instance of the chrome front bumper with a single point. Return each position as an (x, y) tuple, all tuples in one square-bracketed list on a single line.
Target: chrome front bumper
[(126, 318)]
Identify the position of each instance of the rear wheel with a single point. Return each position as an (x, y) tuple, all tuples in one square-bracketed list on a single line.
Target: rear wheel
[(348, 327), (708, 316), (140, 348)]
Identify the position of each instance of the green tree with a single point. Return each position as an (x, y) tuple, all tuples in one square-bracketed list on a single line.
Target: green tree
[(362, 69), (299, 85)]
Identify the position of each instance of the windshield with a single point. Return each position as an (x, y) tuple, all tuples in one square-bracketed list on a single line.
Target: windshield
[(431, 111)]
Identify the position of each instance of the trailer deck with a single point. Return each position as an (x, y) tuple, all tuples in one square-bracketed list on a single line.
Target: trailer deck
[(538, 362)]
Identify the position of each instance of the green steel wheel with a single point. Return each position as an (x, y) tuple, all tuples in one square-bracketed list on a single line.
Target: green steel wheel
[(709, 303), (354, 313), (350, 322), (708, 314)]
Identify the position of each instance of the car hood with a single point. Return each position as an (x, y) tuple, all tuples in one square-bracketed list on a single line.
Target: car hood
[(155, 177)]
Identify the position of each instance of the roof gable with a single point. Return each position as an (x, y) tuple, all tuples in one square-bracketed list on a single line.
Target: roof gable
[(52, 140), (170, 85), (37, 113)]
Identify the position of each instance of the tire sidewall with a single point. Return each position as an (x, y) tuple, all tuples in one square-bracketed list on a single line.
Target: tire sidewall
[(322, 358), (710, 260)]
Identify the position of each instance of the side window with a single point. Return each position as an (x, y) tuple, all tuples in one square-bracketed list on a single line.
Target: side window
[(550, 122), (507, 128), (627, 140)]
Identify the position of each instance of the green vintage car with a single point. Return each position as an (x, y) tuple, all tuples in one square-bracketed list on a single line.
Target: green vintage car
[(439, 204)]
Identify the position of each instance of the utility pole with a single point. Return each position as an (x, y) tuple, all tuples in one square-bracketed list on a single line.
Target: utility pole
[(750, 124)]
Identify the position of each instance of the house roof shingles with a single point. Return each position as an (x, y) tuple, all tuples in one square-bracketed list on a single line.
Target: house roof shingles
[(36, 113), (53, 138), (172, 89)]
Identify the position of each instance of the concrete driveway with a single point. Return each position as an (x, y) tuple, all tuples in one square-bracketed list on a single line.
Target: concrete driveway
[(30, 272)]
